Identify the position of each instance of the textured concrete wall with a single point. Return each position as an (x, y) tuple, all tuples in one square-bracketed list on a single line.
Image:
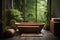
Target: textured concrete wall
[(55, 8)]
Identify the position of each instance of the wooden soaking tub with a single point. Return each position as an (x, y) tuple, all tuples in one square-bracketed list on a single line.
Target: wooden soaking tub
[(29, 27)]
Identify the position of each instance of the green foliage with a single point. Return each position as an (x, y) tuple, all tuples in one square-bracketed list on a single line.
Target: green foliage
[(13, 15), (29, 7), (41, 11), (30, 10), (18, 4)]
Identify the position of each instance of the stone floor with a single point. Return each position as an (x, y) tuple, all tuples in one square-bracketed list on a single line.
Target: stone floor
[(46, 36)]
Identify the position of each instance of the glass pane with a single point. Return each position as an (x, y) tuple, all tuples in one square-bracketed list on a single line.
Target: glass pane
[(27, 9), (20, 5), (41, 10), (30, 10)]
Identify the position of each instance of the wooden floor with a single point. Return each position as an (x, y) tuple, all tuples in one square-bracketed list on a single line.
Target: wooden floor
[(46, 36)]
